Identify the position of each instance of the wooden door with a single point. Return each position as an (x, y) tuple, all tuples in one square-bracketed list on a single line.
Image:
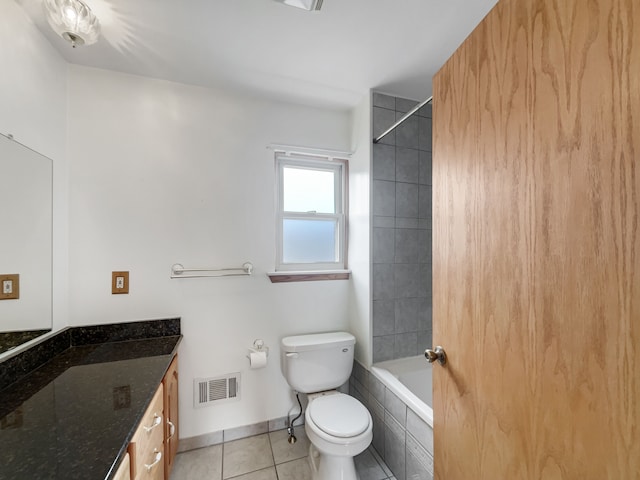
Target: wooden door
[(536, 182), (170, 382)]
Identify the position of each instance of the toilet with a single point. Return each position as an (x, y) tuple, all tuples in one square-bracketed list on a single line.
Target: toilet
[(338, 426)]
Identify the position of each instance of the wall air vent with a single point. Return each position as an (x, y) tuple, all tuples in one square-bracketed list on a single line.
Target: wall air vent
[(215, 390)]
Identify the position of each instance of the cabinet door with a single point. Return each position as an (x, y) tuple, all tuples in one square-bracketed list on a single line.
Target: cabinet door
[(171, 413), (124, 470)]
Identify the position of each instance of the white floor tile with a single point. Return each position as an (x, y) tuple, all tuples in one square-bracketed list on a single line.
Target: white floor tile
[(295, 470), (246, 455), (252, 458), (283, 451), (265, 474), (201, 463)]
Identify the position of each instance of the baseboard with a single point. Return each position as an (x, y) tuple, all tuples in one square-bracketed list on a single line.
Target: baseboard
[(228, 435)]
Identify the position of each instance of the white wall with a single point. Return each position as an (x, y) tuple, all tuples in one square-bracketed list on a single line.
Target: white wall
[(360, 230), (33, 107), (33, 84), (160, 173), (163, 173)]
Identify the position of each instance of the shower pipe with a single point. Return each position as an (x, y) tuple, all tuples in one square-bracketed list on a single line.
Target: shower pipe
[(406, 115)]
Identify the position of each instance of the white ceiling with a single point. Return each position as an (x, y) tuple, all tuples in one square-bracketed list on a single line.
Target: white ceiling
[(266, 48)]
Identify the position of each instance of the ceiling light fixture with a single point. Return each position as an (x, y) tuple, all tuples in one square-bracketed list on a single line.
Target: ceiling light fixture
[(304, 4), (73, 21)]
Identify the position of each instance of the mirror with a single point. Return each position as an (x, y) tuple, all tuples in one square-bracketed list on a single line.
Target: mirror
[(25, 244)]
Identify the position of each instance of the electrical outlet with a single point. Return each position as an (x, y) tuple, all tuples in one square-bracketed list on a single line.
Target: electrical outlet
[(9, 286), (119, 282)]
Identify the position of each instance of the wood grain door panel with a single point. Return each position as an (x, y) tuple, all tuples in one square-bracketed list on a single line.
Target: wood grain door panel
[(536, 247)]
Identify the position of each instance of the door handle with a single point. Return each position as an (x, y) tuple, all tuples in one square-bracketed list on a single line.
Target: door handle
[(437, 354)]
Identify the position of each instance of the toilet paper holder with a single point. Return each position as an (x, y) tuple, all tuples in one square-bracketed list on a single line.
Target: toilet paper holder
[(258, 346)]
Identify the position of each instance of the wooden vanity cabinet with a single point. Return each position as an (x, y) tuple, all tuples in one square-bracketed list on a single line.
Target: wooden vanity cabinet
[(155, 443), (147, 447), (170, 383), (124, 470)]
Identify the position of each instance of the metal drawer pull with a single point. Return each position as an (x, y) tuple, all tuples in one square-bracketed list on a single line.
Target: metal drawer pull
[(157, 456), (157, 420), (172, 429)]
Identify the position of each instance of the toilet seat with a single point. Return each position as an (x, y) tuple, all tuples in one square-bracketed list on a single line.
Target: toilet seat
[(339, 415)]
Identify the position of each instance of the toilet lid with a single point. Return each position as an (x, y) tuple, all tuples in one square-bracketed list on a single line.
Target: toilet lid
[(339, 415)]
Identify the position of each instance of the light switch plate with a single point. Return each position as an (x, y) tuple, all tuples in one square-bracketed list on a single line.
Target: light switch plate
[(9, 286), (119, 282)]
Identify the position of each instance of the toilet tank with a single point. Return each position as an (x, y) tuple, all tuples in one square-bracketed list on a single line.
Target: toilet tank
[(317, 362)]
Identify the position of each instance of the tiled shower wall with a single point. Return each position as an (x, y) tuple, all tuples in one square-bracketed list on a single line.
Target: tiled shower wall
[(401, 250), (400, 436)]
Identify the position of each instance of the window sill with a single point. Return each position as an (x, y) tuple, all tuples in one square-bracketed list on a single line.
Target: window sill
[(309, 276)]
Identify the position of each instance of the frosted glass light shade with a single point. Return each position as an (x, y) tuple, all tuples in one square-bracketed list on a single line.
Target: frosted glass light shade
[(73, 21), (304, 4)]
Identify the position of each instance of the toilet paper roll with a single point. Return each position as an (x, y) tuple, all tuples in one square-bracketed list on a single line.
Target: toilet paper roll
[(258, 359)]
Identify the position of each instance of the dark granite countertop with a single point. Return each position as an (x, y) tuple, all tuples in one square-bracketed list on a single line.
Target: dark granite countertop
[(10, 340), (73, 417)]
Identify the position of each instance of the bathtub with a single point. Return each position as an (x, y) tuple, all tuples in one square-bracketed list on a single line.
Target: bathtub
[(410, 379)]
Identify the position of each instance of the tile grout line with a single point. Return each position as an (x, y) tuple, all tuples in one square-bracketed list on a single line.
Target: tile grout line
[(273, 457), (222, 460), (380, 461), (258, 469)]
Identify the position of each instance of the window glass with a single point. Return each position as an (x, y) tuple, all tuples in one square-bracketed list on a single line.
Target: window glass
[(309, 241), (309, 190), (311, 223)]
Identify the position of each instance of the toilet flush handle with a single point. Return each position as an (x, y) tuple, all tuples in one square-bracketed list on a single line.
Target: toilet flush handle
[(292, 354)]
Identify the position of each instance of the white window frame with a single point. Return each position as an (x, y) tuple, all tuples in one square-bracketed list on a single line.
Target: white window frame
[(312, 162)]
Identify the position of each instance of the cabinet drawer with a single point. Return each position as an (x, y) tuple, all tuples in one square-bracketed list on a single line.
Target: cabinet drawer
[(154, 458), (148, 441)]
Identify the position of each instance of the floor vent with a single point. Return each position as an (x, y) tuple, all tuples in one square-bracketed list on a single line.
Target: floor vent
[(210, 391)]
